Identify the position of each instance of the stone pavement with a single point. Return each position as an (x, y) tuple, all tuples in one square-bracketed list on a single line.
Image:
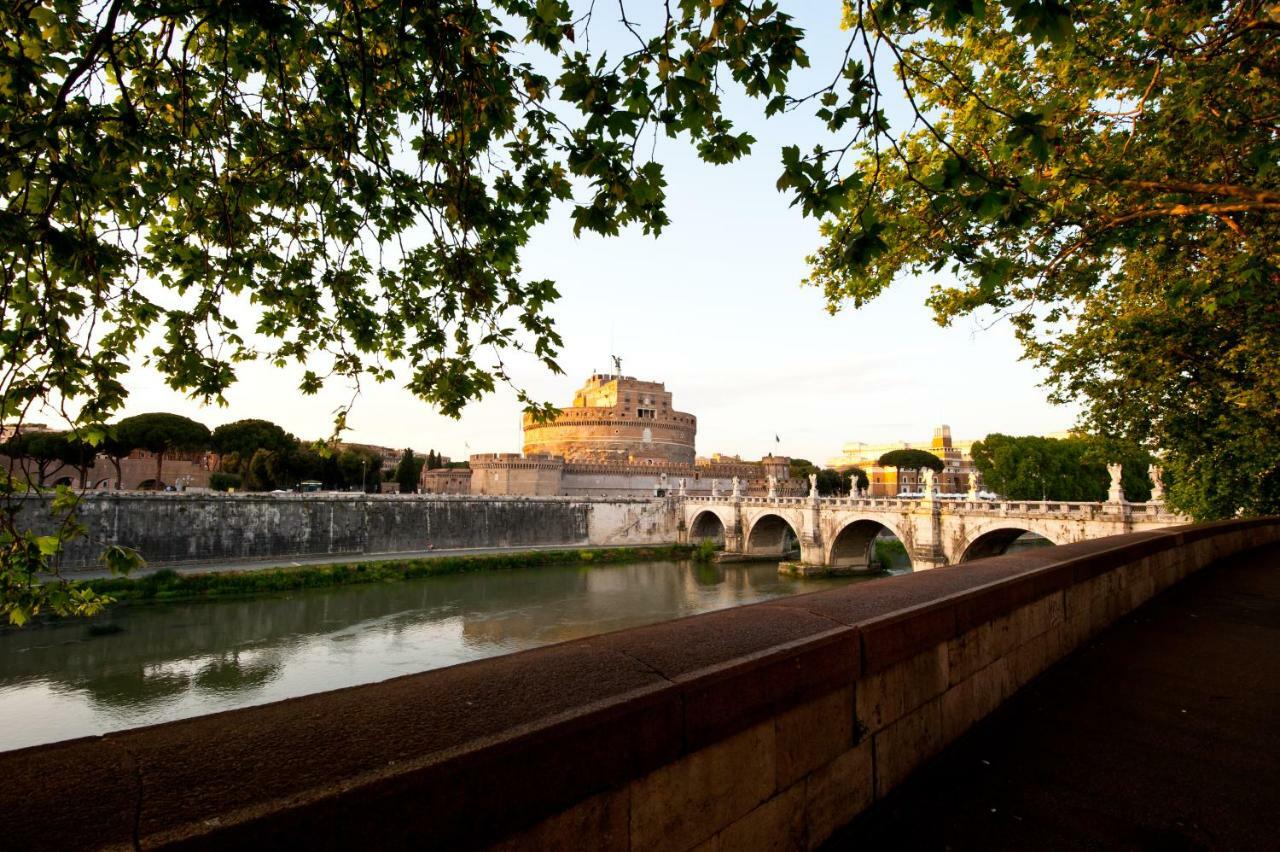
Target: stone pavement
[(1163, 733)]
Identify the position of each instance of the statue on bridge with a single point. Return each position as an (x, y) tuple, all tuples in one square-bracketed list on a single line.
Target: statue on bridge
[(813, 486), (773, 487), (737, 488), (715, 488), (1157, 483), (1115, 494), (682, 491), (930, 483)]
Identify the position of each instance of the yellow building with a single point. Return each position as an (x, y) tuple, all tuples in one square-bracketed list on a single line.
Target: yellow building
[(887, 481)]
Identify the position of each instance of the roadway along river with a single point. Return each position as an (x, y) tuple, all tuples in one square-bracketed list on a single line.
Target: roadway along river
[(170, 661)]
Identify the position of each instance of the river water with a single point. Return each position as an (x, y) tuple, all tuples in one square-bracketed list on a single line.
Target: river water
[(146, 664)]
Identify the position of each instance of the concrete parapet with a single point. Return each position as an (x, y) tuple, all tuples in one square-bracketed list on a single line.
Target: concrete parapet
[(763, 726)]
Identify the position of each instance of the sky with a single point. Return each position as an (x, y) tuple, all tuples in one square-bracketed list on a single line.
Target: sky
[(714, 308)]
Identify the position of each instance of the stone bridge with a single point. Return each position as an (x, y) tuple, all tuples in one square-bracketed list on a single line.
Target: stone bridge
[(839, 532)]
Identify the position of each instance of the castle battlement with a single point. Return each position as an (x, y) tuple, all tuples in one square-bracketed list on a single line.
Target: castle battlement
[(616, 420)]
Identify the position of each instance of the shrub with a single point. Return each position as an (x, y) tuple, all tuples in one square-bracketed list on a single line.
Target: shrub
[(220, 481), (170, 585), (887, 549), (704, 550)]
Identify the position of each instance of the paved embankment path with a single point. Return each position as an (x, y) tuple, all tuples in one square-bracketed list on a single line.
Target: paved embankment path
[(1162, 733), (333, 559)]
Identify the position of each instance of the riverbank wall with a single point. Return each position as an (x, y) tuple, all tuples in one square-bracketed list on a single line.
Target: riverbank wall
[(193, 529), (763, 726)]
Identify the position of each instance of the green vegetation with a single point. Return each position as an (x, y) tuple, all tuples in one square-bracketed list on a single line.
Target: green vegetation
[(1074, 469), (162, 433), (220, 481), (48, 453), (169, 585), (1103, 175), (911, 460), (408, 470), (889, 551), (705, 551), (832, 482), (801, 468), (246, 437)]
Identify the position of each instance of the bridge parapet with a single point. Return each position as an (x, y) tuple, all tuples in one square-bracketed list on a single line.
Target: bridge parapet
[(963, 506)]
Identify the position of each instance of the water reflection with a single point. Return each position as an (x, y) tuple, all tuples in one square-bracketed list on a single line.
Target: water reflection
[(150, 664)]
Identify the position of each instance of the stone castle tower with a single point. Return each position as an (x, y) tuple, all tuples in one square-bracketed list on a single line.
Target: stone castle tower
[(616, 420)]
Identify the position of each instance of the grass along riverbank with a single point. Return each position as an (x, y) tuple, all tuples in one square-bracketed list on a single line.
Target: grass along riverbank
[(168, 585)]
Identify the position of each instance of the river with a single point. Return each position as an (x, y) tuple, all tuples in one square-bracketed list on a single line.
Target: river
[(146, 664)]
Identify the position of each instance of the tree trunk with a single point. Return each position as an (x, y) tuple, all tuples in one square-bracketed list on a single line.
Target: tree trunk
[(159, 469), (115, 462)]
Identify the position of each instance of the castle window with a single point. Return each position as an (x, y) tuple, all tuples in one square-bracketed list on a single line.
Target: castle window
[(646, 413)]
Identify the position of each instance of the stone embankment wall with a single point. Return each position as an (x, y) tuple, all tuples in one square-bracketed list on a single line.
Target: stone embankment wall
[(765, 726), (177, 529)]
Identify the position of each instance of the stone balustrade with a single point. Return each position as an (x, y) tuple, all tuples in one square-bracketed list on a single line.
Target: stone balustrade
[(965, 506)]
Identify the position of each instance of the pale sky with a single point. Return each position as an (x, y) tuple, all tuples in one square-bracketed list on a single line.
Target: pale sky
[(715, 309)]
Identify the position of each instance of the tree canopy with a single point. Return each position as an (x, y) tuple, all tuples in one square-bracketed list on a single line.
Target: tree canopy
[(1074, 469), (47, 452), (1102, 174), (909, 459), (162, 433), (407, 471), (831, 482), (247, 436), (365, 177)]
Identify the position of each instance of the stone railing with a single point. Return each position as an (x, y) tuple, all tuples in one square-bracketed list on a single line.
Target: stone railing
[(771, 723), (964, 506)]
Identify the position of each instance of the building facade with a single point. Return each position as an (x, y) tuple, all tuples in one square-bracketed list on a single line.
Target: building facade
[(445, 480), (957, 472)]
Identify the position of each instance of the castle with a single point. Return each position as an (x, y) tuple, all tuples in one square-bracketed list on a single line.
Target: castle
[(621, 437)]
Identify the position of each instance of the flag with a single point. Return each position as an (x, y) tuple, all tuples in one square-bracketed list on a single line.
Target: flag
[(776, 439)]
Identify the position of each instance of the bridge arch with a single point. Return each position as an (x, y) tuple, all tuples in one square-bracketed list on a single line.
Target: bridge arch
[(998, 541), (852, 546), (771, 535), (707, 525)]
